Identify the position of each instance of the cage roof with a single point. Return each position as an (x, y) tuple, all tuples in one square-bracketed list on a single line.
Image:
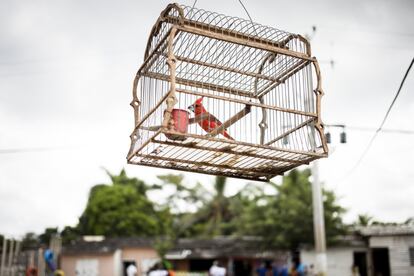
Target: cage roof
[(234, 26)]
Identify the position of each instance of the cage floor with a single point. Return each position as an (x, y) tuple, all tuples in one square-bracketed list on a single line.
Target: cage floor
[(217, 156)]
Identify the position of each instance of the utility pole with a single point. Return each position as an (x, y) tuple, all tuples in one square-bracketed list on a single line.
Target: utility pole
[(3, 257), (321, 265), (10, 261)]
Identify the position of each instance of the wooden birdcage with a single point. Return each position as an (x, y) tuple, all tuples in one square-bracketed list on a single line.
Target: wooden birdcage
[(260, 89)]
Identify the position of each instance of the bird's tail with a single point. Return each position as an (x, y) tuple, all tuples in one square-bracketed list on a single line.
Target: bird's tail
[(225, 134)]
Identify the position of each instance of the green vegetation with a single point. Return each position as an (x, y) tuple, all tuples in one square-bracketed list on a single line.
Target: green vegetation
[(123, 208), (288, 214)]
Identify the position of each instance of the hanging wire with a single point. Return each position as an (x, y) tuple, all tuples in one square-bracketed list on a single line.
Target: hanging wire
[(244, 7), (248, 14), (382, 123)]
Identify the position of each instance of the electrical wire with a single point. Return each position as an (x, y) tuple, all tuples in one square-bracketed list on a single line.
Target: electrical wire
[(24, 150), (241, 3), (388, 130), (379, 129)]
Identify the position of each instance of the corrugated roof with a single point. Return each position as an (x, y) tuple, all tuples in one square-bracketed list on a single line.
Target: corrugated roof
[(184, 248), (106, 246), (386, 230)]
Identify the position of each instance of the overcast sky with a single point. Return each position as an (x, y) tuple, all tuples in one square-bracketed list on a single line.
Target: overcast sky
[(66, 72)]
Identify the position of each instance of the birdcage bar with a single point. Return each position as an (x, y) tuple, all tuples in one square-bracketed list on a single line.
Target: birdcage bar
[(254, 147), (199, 84), (235, 100), (294, 69), (224, 68), (227, 150), (260, 158), (241, 41), (258, 82)]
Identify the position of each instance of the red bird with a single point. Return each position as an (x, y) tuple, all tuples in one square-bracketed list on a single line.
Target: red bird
[(211, 122)]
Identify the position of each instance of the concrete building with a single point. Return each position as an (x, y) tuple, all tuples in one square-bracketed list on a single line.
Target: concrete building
[(378, 250), (351, 250), (374, 251), (107, 257), (104, 257), (391, 249)]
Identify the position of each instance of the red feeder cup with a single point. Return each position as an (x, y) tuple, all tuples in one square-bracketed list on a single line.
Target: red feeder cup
[(181, 118)]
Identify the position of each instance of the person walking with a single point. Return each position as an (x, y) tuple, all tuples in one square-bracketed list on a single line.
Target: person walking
[(216, 270), (131, 270)]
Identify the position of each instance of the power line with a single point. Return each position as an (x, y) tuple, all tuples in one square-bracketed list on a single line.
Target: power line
[(375, 32), (24, 150), (383, 121), (388, 130), (362, 128)]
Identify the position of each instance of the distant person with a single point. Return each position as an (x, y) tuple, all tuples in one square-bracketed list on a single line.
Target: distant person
[(216, 270), (262, 270), (158, 270), (280, 269), (292, 271), (298, 269), (31, 271), (131, 270), (355, 271)]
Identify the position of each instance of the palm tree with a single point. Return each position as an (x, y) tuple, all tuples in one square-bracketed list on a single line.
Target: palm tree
[(213, 216), (364, 220)]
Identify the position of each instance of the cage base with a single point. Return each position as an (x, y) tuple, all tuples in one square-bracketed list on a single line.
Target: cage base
[(219, 156)]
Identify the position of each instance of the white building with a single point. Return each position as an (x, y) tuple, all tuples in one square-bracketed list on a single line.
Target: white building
[(378, 250)]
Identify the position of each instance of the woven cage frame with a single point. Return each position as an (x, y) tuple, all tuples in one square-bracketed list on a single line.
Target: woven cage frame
[(260, 82)]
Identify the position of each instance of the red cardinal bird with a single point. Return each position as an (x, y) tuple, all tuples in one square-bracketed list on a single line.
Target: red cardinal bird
[(211, 122)]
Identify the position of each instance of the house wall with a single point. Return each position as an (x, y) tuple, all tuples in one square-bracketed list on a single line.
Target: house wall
[(398, 249), (105, 264), (144, 258), (340, 259)]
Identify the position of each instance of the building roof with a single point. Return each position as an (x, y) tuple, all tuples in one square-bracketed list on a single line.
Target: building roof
[(184, 248), (251, 247), (105, 246), (386, 230)]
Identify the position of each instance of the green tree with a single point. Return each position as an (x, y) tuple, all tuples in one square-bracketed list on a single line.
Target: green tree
[(213, 217), (286, 220), (45, 237), (215, 214), (122, 208), (30, 240), (69, 234)]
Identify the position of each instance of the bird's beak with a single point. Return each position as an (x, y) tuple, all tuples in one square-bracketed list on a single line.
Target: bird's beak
[(191, 107)]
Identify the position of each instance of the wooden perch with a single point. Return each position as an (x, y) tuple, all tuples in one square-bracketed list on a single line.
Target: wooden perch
[(231, 121), (199, 118), (151, 128), (194, 120)]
